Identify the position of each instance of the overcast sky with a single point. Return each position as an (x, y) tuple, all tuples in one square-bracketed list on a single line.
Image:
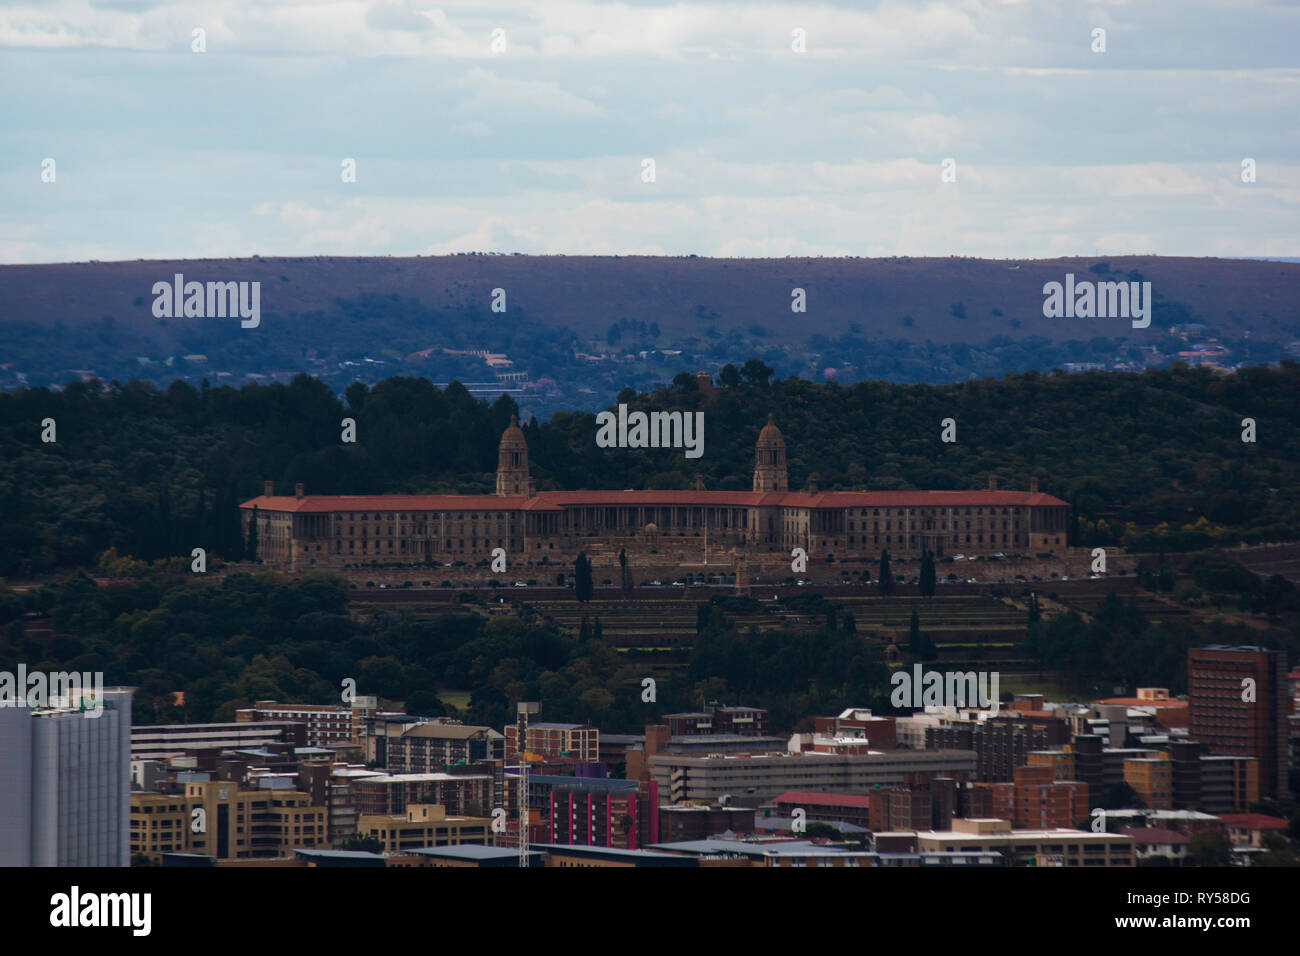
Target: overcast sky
[(759, 150)]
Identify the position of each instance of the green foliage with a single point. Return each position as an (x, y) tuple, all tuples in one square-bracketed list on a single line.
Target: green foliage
[(582, 584), (886, 575), (920, 646), (793, 673), (264, 636), (927, 578), (1209, 848)]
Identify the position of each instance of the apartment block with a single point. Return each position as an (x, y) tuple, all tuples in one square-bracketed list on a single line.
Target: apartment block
[(1000, 744), (221, 819), (1152, 779), (750, 779), (388, 794), (160, 741), (1239, 702), (578, 741), (430, 746)]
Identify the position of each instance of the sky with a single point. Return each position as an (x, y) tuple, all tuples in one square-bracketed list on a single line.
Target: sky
[(537, 142)]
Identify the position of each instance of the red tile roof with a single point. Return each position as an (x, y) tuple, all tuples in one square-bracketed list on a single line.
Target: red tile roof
[(557, 500), (824, 799), (1155, 835), (1252, 821)]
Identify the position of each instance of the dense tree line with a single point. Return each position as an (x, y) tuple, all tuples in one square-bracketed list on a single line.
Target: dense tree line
[(1119, 646), (255, 637), (1151, 461)]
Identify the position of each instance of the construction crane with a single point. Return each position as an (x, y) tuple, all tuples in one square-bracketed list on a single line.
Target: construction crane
[(524, 710)]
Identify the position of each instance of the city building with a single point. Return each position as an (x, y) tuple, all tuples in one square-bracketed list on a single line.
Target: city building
[(160, 741), (386, 794), (473, 855), (1001, 744), (1054, 847), (438, 744), (751, 779), (423, 825), (828, 807), (224, 820), (1248, 829), (767, 853), (1239, 702), (1157, 843), (325, 724), (66, 795), (581, 742), (587, 856)]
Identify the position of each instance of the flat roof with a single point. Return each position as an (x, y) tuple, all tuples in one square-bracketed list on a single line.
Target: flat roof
[(745, 848), (472, 851), (615, 853), (558, 500)]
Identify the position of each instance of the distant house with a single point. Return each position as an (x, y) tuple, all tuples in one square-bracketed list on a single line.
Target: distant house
[(1248, 829)]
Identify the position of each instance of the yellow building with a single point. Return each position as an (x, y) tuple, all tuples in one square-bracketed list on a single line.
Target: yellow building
[(1059, 847), (424, 825), (219, 819), (1152, 779)]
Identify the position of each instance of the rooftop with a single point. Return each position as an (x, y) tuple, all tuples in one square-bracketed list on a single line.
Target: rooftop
[(558, 500)]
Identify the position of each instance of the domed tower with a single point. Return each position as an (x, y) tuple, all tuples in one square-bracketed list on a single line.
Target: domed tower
[(769, 459), (512, 461)]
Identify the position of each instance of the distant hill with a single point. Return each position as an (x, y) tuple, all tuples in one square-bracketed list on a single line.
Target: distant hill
[(951, 299)]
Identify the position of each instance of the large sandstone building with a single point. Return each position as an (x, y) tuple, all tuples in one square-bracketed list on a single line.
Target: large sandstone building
[(305, 531)]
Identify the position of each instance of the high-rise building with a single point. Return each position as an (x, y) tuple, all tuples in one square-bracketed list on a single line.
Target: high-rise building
[(1239, 702), (67, 794)]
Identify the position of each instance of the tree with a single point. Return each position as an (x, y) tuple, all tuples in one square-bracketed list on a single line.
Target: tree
[(886, 576), (821, 831), (756, 372), (729, 376), (1209, 848), (362, 843), (927, 574), (582, 585), (625, 573), (919, 645)]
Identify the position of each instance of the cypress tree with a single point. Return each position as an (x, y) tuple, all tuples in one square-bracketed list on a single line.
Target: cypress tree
[(927, 574), (886, 576), (582, 586)]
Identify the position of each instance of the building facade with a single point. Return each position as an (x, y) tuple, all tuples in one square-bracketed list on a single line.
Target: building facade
[(306, 531), (66, 796), (1239, 703)]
